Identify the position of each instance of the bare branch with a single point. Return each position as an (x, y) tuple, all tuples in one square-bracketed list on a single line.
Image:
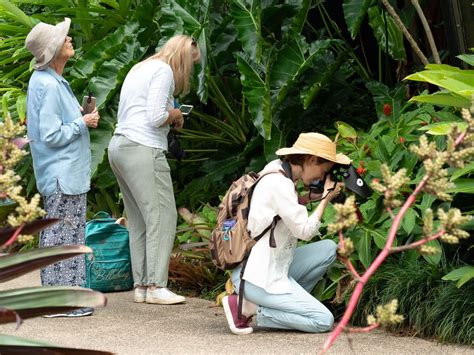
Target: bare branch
[(427, 29), (405, 32)]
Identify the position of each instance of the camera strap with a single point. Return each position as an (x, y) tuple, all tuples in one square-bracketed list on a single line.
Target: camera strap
[(322, 198)]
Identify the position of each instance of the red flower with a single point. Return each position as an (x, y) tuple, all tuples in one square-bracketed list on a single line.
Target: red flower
[(361, 170), (387, 109), (402, 139), (375, 181)]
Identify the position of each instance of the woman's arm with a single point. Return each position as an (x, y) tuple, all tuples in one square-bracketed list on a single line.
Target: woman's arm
[(159, 95), (295, 216), (53, 131)]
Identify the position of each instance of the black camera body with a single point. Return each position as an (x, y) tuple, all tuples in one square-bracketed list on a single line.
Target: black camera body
[(174, 147), (351, 178)]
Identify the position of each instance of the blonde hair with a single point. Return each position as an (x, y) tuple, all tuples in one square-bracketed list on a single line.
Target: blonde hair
[(180, 52)]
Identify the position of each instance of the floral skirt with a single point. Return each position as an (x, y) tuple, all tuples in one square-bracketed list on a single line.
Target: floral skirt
[(71, 209)]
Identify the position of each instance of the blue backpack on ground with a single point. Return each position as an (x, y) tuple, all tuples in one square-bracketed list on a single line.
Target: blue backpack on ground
[(109, 268)]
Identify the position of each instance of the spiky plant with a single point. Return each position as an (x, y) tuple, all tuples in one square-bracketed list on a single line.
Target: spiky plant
[(459, 150), (19, 219)]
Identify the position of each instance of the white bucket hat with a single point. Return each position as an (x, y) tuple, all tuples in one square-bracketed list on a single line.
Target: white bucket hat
[(315, 144), (44, 41)]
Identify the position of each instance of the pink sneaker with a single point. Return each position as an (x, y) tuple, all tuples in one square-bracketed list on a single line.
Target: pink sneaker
[(237, 326)]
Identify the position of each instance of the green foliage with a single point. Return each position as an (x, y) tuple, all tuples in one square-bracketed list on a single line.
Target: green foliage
[(432, 308), (354, 13), (19, 215), (462, 275), (389, 37), (458, 85)]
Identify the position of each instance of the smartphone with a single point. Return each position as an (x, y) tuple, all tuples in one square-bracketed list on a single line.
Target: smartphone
[(88, 104), (186, 109)]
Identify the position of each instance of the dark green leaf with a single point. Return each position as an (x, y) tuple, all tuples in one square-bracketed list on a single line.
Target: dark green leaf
[(364, 248), (436, 258), (383, 25), (17, 264), (409, 220), (37, 301), (247, 21), (256, 90), (354, 14), (10, 344)]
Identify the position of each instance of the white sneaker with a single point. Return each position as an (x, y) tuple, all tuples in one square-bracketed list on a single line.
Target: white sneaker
[(139, 295), (163, 296)]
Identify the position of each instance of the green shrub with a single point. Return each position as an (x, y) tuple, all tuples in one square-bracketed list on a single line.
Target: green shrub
[(432, 307)]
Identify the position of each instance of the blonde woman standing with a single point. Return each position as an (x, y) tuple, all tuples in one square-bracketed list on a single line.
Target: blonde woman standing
[(137, 157)]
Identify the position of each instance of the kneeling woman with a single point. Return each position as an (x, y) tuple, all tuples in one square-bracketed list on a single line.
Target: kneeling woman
[(278, 281)]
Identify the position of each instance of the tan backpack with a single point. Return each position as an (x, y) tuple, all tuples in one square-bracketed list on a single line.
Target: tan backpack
[(230, 242)]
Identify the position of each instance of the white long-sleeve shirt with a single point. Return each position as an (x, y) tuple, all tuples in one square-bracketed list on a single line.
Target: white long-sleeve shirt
[(274, 195), (146, 97)]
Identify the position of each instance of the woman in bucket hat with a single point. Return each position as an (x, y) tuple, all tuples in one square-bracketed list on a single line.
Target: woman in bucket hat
[(60, 148), (278, 280)]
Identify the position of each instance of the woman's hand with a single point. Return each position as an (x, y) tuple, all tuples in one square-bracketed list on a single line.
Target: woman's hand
[(92, 119), (175, 118), (332, 189)]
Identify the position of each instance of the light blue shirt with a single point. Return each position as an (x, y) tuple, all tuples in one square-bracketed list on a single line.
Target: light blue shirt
[(59, 138)]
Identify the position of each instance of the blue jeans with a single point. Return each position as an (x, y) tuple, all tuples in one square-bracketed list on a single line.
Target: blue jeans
[(298, 309)]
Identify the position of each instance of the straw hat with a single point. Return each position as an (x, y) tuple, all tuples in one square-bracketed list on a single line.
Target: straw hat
[(44, 41), (315, 144)]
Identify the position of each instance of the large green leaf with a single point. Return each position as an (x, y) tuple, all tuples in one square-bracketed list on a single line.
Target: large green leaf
[(409, 220), (345, 130), (442, 128), (433, 259), (465, 186), (190, 18), (299, 19), (443, 99), (37, 301), (458, 81), (364, 244), (354, 14), (103, 50), (467, 58), (10, 344), (10, 10), (14, 345), (469, 168), (105, 84), (17, 264), (248, 24), (323, 78), (291, 63), (6, 206), (389, 37), (256, 90), (461, 275)]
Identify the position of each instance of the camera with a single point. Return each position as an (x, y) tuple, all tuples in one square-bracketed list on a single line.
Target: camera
[(352, 181), (174, 147)]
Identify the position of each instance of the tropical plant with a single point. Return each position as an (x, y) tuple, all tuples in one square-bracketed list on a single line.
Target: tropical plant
[(19, 219), (457, 84), (432, 308), (433, 180)]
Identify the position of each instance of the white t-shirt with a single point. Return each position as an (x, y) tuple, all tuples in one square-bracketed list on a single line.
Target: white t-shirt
[(146, 97), (274, 195)]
